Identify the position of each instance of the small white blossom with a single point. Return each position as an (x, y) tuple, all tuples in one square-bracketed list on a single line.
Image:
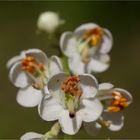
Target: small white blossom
[(87, 48), (49, 22), (72, 101), (30, 72), (115, 100)]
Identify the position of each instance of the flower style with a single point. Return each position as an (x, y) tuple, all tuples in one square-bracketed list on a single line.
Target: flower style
[(49, 22), (115, 100), (71, 101), (30, 72), (87, 48)]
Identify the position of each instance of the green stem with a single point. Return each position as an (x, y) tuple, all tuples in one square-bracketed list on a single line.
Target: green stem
[(103, 123), (54, 131), (64, 61)]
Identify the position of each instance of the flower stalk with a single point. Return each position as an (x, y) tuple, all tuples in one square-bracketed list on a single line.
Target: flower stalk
[(54, 131)]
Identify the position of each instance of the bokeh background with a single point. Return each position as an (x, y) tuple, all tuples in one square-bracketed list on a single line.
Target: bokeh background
[(18, 32)]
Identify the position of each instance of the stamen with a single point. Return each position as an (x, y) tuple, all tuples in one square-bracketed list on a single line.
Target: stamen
[(119, 102), (94, 34), (84, 55), (35, 71), (41, 67), (29, 64), (70, 86)]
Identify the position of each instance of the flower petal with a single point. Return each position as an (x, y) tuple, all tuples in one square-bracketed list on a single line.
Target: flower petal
[(70, 126), (18, 77), (90, 110), (68, 44), (105, 86), (50, 108), (13, 60), (38, 54), (89, 85), (29, 97), (56, 81), (107, 42), (86, 26), (115, 118), (125, 93), (55, 66), (97, 65), (31, 136), (76, 65), (105, 90), (92, 128)]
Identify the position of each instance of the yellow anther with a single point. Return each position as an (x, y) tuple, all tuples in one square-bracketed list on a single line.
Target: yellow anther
[(114, 109), (70, 85), (41, 67), (124, 104), (119, 102), (29, 64), (95, 34)]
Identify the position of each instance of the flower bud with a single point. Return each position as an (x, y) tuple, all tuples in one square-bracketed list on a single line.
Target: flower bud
[(49, 22)]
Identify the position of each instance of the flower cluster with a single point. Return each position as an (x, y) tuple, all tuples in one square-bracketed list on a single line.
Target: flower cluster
[(73, 98)]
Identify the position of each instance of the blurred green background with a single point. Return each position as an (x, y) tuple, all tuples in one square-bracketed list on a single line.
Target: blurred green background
[(18, 32)]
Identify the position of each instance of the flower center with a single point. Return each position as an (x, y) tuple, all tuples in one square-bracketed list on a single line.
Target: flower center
[(70, 86), (119, 102), (29, 64), (35, 70), (73, 92), (91, 38), (95, 35)]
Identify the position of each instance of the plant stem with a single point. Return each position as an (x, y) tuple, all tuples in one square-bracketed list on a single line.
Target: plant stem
[(54, 131)]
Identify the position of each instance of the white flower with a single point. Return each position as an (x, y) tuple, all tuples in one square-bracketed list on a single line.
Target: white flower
[(33, 136), (115, 100), (72, 101), (30, 72), (87, 48), (49, 22)]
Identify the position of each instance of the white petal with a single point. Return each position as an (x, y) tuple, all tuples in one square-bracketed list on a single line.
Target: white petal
[(14, 60), (56, 81), (70, 126), (115, 118), (92, 128), (18, 77), (55, 66), (105, 91), (29, 97), (76, 65), (90, 110), (31, 136), (86, 26), (46, 90), (50, 108), (107, 42), (68, 44), (125, 93), (97, 66), (105, 86), (38, 54), (89, 85)]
